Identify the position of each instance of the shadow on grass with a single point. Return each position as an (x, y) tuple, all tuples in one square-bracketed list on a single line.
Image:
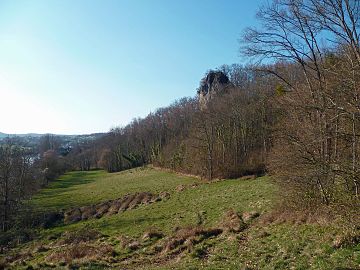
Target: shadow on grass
[(114, 226), (67, 181), (131, 226)]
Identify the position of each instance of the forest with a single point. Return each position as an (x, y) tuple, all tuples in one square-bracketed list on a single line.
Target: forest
[(292, 111)]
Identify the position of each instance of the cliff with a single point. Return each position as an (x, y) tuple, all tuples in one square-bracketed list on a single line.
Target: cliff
[(214, 83)]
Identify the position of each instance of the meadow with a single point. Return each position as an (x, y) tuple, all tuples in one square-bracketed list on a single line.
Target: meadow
[(185, 231)]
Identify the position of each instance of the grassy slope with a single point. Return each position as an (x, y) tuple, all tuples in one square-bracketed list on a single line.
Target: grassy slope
[(83, 188), (283, 246)]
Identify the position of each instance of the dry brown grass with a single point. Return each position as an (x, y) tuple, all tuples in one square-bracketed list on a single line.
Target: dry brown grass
[(233, 222), (347, 239), (81, 252), (297, 217), (125, 240), (152, 233), (15, 257), (186, 238), (112, 207), (248, 177), (87, 212), (73, 215), (3, 264), (78, 237), (180, 188), (249, 216)]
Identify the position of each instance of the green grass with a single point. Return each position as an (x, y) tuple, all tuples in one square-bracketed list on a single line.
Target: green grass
[(183, 208), (284, 246), (209, 200), (83, 188)]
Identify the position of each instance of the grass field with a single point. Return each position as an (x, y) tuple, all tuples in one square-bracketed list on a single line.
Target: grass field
[(259, 246), (82, 188)]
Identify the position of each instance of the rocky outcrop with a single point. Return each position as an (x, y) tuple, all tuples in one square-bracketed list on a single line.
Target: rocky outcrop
[(214, 83)]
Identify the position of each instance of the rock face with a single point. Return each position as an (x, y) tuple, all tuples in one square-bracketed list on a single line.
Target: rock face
[(212, 84)]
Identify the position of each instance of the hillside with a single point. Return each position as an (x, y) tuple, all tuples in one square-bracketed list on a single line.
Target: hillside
[(135, 137), (35, 137), (213, 225)]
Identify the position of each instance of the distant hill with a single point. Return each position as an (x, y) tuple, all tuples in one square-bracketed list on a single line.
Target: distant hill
[(4, 135), (34, 138), (36, 135)]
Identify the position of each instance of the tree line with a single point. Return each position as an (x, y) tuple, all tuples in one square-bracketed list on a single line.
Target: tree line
[(316, 151), (27, 165), (294, 112), (230, 138)]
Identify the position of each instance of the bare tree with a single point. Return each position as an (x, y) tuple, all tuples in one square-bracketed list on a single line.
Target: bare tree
[(14, 168), (320, 117)]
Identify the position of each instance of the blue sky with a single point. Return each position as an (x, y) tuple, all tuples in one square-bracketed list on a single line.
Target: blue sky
[(84, 66)]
